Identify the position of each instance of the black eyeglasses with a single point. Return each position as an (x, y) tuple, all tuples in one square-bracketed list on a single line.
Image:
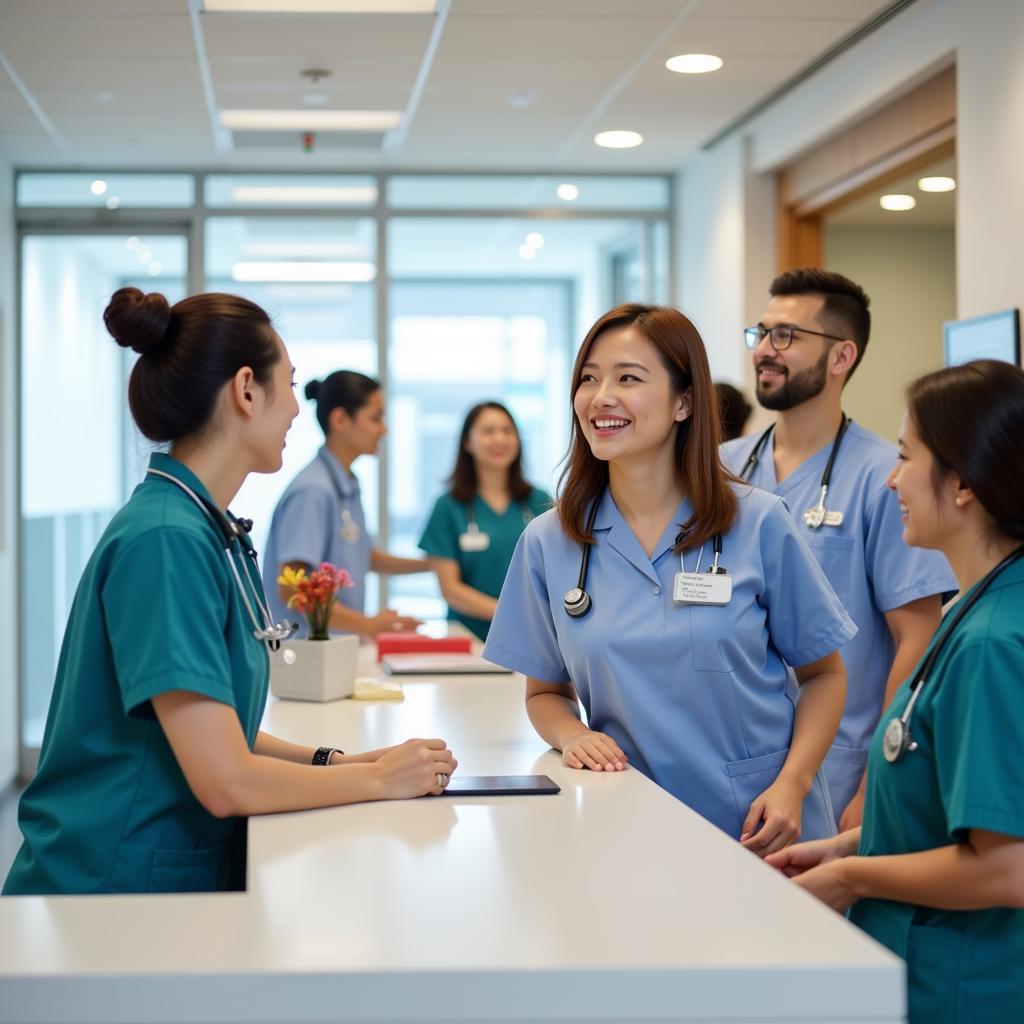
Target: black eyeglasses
[(780, 336)]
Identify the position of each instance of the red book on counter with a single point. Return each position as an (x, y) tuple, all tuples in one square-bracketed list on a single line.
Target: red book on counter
[(416, 643)]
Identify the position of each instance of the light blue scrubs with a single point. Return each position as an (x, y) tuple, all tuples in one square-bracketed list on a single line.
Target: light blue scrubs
[(869, 566), (157, 610), (319, 519), (700, 698)]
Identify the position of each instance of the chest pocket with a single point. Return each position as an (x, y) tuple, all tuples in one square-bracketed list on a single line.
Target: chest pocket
[(833, 553), (721, 636)]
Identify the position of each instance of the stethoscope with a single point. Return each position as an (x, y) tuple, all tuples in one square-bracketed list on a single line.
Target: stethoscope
[(577, 601), (897, 738), (349, 527), (818, 515), (232, 531), (474, 539)]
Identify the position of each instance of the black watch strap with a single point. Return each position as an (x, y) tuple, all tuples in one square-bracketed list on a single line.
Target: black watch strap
[(323, 755)]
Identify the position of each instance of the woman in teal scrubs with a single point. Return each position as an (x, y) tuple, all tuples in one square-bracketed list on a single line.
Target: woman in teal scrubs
[(153, 756), (936, 873), (473, 528)]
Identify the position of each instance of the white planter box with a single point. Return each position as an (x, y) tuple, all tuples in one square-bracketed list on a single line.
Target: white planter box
[(315, 669)]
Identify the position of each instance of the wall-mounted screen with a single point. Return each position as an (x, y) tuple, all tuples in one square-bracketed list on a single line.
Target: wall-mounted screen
[(996, 336)]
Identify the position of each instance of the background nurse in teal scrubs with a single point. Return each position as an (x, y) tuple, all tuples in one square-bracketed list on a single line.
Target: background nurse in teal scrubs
[(725, 688), (152, 754), (936, 873), (473, 528)]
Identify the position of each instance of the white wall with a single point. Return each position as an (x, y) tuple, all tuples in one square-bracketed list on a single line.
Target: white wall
[(8, 511), (910, 276), (726, 199)]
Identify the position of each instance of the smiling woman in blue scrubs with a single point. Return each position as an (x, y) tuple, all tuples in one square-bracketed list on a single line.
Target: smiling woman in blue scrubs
[(319, 518), (936, 872), (153, 754), (684, 674)]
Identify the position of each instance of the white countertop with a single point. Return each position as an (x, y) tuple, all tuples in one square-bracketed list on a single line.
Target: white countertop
[(608, 902)]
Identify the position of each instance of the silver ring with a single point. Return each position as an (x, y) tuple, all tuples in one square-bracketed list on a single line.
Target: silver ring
[(442, 779)]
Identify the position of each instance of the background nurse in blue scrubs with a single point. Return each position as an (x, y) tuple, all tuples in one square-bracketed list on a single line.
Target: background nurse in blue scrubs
[(474, 527), (153, 754), (936, 873), (683, 674), (320, 515)]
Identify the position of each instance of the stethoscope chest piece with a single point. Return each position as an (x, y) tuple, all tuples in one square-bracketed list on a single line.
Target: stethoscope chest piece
[(896, 740), (577, 602)]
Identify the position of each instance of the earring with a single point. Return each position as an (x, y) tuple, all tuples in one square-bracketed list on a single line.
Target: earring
[(959, 501)]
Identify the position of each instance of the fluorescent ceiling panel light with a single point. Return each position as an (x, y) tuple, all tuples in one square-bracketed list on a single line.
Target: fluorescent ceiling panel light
[(310, 120), (299, 270), (320, 6), (694, 63), (353, 195), (937, 183), (897, 202), (567, 192), (618, 139)]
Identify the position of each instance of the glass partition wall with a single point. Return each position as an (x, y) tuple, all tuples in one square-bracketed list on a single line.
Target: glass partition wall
[(450, 289)]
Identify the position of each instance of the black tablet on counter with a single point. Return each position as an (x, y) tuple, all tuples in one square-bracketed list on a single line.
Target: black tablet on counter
[(501, 785)]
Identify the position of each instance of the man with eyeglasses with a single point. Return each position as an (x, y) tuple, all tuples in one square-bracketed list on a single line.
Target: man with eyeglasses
[(831, 473)]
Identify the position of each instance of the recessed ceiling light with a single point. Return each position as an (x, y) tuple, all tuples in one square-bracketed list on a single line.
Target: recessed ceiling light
[(618, 139), (144, 256), (897, 202), (535, 240), (311, 120), (301, 270), (321, 6), (98, 187), (154, 268), (337, 195), (567, 192), (113, 203), (694, 63), (527, 251), (937, 183)]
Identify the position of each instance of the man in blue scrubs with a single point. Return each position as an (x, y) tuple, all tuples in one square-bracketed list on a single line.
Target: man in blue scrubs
[(807, 344)]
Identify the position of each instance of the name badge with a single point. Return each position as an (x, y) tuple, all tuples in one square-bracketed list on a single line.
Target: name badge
[(474, 540), (702, 588), (349, 527), (815, 517)]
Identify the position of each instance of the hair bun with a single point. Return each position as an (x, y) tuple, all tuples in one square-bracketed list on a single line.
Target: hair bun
[(138, 321), (313, 389)]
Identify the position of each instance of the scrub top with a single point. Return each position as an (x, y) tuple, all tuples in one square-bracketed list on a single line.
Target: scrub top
[(967, 773), (483, 570), (157, 610), (319, 519), (700, 698), (869, 566)]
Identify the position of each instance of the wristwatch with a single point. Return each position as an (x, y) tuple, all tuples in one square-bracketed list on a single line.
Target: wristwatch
[(323, 754)]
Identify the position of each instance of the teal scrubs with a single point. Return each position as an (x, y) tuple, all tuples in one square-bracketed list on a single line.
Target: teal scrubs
[(967, 773), (157, 610), (482, 570)]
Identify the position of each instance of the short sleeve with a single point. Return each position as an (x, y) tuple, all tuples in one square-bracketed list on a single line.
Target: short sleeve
[(979, 735), (522, 635), (165, 604), (301, 526), (805, 618), (440, 536), (898, 572)]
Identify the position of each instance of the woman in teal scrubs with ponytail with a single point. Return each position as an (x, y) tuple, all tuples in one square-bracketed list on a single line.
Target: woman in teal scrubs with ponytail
[(936, 872), (153, 756), (474, 528)]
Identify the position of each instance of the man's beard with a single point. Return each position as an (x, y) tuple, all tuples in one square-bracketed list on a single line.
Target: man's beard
[(797, 388)]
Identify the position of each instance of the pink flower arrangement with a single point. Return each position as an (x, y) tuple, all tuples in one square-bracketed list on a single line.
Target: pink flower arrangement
[(315, 595)]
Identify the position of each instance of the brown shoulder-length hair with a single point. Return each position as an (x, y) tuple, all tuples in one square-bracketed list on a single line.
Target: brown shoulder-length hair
[(707, 484), (463, 481)]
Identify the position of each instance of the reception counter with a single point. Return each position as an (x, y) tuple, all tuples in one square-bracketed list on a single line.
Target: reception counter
[(608, 902)]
